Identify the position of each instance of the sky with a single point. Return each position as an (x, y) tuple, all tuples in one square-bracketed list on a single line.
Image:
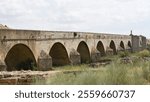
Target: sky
[(100, 16)]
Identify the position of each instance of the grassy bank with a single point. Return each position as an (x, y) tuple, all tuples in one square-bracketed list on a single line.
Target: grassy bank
[(115, 73)]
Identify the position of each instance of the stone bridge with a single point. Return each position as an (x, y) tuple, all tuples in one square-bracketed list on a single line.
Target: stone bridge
[(26, 49)]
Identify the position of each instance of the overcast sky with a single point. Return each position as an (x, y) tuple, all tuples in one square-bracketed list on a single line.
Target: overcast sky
[(108, 16)]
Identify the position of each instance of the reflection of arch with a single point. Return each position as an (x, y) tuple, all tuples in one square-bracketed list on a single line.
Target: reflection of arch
[(113, 47), (84, 52), (100, 48), (122, 45), (129, 44), (59, 55), (20, 57)]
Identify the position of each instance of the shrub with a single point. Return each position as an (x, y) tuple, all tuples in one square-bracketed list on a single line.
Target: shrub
[(144, 53), (123, 54)]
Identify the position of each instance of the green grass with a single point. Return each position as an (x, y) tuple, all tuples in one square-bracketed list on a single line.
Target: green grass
[(116, 73), (124, 54), (146, 71), (81, 67), (113, 74)]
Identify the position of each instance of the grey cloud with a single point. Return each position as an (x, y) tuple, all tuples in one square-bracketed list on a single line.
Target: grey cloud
[(116, 16)]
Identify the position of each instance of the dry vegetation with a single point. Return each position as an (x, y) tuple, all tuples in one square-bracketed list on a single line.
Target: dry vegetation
[(116, 73)]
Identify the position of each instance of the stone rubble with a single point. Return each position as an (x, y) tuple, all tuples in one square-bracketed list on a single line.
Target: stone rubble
[(22, 77), (100, 63)]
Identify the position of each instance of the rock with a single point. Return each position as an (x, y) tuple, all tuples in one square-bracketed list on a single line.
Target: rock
[(146, 58), (22, 77), (23, 81), (98, 64), (7, 75), (1, 76), (126, 60), (3, 26), (28, 76), (94, 65), (2, 67), (23, 71), (9, 81)]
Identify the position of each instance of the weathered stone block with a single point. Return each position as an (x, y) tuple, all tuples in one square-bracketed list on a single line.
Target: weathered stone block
[(109, 51), (24, 81), (75, 57), (44, 63), (2, 67), (1, 76), (95, 56)]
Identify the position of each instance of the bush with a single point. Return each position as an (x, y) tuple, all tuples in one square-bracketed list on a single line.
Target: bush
[(123, 54), (144, 53)]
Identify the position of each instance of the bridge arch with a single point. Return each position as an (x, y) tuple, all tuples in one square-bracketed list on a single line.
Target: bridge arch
[(59, 55), (113, 47), (100, 48), (20, 57), (129, 44), (84, 52), (122, 45)]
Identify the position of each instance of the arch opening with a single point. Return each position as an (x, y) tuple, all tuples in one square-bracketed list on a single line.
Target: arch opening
[(100, 48), (59, 55), (113, 47), (129, 44), (20, 57), (122, 45), (84, 52)]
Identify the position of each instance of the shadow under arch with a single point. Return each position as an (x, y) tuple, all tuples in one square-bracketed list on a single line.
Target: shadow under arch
[(20, 57), (59, 55), (84, 52), (122, 45), (129, 44), (100, 48), (113, 47)]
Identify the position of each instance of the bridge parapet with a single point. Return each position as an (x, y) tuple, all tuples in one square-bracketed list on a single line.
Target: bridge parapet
[(37, 34)]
